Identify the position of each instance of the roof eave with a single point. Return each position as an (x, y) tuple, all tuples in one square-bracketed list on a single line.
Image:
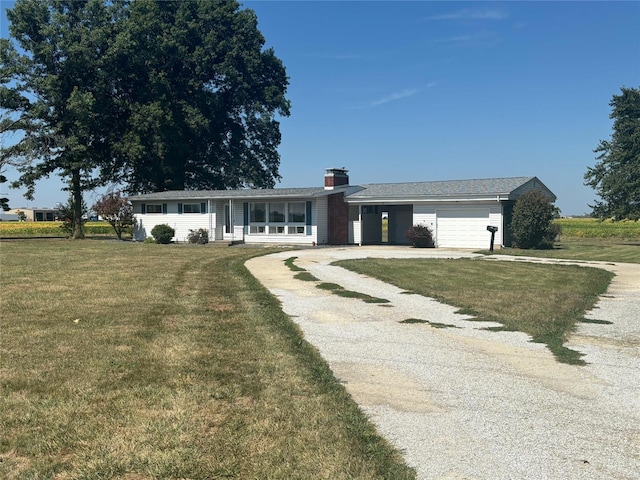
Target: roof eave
[(498, 197)]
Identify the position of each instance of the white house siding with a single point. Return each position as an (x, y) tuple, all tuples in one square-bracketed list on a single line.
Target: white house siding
[(425, 215), (320, 219), (181, 223), (495, 219), (355, 227)]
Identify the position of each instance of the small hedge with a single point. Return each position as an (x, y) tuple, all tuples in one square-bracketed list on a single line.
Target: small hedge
[(199, 236), (163, 233), (420, 236)]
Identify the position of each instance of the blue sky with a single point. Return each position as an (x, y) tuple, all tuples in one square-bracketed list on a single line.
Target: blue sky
[(415, 91)]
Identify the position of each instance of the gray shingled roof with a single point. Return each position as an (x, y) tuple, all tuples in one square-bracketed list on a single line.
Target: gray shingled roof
[(448, 188), (242, 193), (487, 187)]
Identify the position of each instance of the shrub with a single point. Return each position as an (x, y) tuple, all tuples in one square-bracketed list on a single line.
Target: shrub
[(199, 236), (420, 236), (117, 211), (532, 225), (163, 233)]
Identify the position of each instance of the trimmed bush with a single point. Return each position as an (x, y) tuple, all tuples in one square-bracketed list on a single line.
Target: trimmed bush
[(532, 225), (420, 236), (163, 233), (199, 236)]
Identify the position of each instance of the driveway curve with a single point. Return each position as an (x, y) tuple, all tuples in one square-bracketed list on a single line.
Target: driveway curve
[(465, 403)]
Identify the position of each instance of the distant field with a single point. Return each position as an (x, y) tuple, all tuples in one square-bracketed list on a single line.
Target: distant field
[(594, 228), (49, 229)]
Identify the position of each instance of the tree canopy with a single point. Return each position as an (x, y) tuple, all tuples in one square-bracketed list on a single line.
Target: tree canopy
[(155, 95), (616, 175)]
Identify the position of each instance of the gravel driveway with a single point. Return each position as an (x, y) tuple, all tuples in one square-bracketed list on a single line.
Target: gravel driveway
[(465, 403)]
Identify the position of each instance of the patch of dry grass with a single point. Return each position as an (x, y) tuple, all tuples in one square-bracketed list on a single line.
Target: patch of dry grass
[(140, 361)]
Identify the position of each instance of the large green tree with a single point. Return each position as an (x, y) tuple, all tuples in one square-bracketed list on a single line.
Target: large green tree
[(156, 95), (616, 175), (203, 97), (58, 91)]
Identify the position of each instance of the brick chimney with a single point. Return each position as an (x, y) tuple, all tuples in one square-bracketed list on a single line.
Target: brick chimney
[(335, 177)]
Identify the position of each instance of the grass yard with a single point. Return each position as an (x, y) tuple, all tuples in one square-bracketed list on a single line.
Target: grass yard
[(143, 361), (544, 301), (576, 248)]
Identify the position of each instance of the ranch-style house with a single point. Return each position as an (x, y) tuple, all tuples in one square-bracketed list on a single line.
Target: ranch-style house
[(458, 212)]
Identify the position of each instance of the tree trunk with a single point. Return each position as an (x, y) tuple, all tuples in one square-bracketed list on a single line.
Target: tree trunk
[(76, 192)]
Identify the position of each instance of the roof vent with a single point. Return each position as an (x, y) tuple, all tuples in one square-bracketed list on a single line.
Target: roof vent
[(335, 177)]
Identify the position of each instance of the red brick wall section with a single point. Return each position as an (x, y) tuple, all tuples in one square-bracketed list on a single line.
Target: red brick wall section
[(338, 219)]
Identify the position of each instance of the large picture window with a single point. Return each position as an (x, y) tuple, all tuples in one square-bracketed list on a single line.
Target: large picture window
[(277, 218)]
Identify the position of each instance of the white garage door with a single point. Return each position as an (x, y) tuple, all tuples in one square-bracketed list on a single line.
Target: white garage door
[(463, 227)]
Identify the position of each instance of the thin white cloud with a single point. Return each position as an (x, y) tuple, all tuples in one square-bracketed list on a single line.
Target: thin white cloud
[(489, 39), (399, 95), (471, 14), (335, 56), (408, 92)]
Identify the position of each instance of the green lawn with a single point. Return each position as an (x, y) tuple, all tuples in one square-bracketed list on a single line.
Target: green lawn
[(545, 301), (575, 248), (143, 361)]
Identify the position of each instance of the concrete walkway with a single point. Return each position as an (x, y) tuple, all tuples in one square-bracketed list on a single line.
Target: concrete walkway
[(463, 402)]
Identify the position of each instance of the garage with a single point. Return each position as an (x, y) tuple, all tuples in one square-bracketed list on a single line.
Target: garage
[(462, 227)]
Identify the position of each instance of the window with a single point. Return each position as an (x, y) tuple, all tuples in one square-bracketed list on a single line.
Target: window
[(191, 208), (154, 208), (257, 213), (276, 213), (297, 212), (278, 218)]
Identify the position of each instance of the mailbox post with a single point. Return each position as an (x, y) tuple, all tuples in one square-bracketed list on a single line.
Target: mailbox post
[(493, 231)]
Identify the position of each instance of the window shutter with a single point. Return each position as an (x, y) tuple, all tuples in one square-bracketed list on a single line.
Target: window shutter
[(143, 208), (203, 207), (164, 208), (308, 218), (245, 215), (180, 208)]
